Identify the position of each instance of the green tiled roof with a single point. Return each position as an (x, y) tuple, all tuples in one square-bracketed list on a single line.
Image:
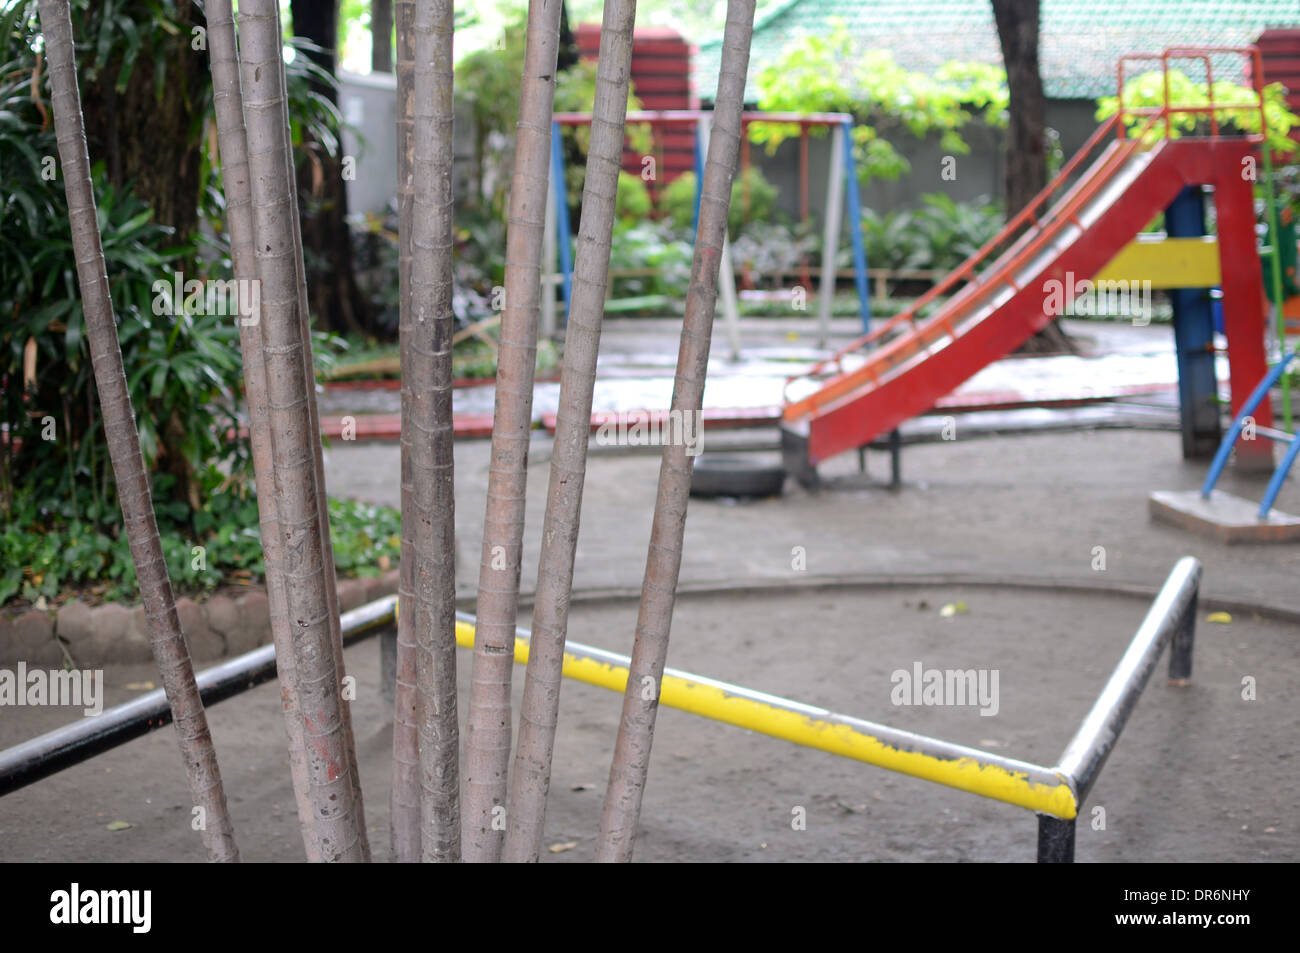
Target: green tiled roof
[(1079, 42)]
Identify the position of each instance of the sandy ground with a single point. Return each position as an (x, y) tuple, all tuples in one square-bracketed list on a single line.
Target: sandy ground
[(1200, 773)]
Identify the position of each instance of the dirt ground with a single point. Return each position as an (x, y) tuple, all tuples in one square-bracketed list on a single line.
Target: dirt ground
[(1199, 774)]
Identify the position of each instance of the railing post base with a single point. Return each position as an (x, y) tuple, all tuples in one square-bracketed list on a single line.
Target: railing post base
[(1180, 645), (1055, 840)]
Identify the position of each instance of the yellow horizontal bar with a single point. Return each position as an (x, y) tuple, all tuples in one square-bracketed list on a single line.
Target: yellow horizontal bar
[(709, 701), (1166, 262)]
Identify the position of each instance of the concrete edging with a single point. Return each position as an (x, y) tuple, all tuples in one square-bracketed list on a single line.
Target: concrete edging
[(229, 623)]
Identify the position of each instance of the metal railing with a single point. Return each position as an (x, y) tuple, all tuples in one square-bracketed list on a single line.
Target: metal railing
[(1054, 793), (47, 754)]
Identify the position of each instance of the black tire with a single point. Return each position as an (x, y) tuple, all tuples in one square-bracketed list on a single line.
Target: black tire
[(735, 475)]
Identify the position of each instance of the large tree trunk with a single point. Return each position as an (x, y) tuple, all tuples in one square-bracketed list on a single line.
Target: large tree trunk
[(148, 141), (430, 434), (405, 803), (487, 740), (233, 145), (165, 638), (336, 301), (1026, 152), (631, 762), (526, 810), (304, 534)]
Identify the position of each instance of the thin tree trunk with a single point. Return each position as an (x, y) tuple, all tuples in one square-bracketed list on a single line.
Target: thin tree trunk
[(405, 803), (233, 144), (530, 782), (322, 498), (487, 740), (291, 397), (381, 36), (432, 460), (165, 638), (663, 562)]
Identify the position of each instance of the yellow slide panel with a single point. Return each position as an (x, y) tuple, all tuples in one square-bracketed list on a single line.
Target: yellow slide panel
[(1166, 262)]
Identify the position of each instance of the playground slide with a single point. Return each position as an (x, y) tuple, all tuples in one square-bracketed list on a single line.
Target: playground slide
[(859, 394)]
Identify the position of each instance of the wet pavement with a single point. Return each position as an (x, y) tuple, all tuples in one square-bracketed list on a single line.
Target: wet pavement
[(633, 375)]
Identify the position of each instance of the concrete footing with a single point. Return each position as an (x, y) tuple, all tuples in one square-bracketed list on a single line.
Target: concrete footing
[(1227, 518)]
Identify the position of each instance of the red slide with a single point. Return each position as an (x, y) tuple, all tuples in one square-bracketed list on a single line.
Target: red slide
[(904, 366)]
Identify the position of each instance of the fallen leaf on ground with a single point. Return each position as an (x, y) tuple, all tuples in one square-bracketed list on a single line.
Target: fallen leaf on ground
[(561, 848), (1223, 617), (119, 826), (140, 686), (952, 609)]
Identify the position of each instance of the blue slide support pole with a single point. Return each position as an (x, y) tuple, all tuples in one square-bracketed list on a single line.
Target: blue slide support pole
[(1199, 413)]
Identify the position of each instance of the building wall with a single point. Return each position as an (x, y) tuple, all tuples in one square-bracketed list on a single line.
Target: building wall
[(370, 104), (978, 173)]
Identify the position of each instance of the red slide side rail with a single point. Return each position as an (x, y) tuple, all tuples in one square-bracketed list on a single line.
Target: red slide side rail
[(902, 338)]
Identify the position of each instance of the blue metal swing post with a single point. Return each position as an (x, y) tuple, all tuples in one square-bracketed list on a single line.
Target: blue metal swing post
[(562, 237), (854, 201)]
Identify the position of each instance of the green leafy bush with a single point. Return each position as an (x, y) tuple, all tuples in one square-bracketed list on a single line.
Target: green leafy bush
[(767, 250), (652, 246), (826, 73), (939, 236), (677, 203), (46, 555), (58, 504), (632, 202), (1148, 89)]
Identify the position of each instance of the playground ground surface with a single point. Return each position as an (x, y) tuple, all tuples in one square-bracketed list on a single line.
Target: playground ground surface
[(1007, 524)]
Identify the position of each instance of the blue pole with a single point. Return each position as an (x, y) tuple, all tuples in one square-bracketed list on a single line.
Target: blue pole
[(854, 201), (562, 217), (1279, 477), (1194, 337), (1225, 447), (699, 181)]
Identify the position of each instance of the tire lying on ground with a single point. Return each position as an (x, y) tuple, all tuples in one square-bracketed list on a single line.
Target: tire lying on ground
[(722, 474)]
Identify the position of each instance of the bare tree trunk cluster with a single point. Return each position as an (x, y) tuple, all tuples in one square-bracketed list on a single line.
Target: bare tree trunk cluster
[(504, 811)]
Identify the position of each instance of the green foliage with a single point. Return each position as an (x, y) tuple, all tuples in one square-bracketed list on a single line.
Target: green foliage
[(488, 85), (939, 236), (892, 240), (678, 200), (1148, 90), (44, 554), (956, 230), (765, 251), (632, 203), (57, 497), (649, 245), (825, 73)]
